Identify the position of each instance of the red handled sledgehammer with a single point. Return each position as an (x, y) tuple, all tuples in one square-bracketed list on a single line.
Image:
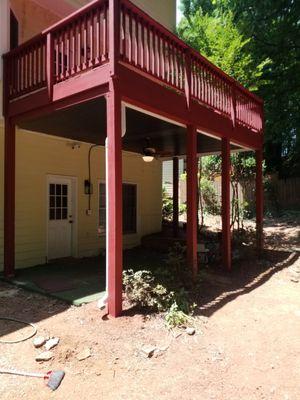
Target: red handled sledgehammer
[(53, 378)]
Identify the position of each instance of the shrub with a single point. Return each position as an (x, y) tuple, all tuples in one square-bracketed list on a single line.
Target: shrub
[(176, 261), (209, 195), (175, 317), (167, 206), (142, 290)]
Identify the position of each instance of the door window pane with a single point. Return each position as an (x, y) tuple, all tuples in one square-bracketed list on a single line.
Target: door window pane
[(58, 201)]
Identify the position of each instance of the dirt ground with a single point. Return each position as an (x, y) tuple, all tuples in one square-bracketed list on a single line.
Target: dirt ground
[(246, 346)]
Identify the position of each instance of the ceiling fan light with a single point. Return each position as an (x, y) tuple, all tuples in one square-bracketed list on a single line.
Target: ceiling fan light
[(148, 158)]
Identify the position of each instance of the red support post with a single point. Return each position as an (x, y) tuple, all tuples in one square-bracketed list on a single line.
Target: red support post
[(226, 234), (9, 198), (114, 193), (259, 199), (192, 199), (175, 195)]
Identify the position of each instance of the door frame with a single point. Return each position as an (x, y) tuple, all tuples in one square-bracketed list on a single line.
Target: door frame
[(74, 190)]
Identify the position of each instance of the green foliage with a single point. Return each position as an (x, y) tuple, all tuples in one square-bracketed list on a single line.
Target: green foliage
[(211, 166), (176, 317), (177, 266), (217, 38), (182, 208), (142, 290), (167, 206), (211, 202), (162, 290), (257, 41)]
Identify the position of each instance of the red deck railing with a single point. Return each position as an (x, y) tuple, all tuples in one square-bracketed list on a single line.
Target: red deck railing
[(80, 42)]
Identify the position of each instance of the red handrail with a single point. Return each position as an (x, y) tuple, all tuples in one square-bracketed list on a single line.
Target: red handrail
[(81, 41)]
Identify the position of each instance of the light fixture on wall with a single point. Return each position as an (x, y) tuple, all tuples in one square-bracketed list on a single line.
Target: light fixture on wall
[(148, 152)]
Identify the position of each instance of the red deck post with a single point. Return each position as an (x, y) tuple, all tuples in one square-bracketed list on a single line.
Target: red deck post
[(192, 198), (259, 199), (9, 198), (114, 185), (114, 166), (226, 236), (175, 195)]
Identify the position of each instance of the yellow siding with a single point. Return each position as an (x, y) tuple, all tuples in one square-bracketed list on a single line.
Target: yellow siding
[(32, 18), (40, 155), (162, 11)]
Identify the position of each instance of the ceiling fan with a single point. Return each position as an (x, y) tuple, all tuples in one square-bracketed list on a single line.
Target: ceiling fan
[(150, 152)]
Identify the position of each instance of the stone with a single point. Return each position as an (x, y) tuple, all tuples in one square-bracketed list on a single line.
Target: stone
[(51, 343), (45, 356), (39, 341), (148, 351), (190, 331), (84, 354)]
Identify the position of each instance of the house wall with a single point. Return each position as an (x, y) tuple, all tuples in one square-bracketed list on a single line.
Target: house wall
[(32, 18), (162, 11), (40, 155)]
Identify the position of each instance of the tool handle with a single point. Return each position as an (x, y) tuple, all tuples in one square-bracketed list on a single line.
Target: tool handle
[(22, 373)]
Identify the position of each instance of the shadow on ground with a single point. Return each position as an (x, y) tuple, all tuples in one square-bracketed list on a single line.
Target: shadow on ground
[(217, 288), (80, 281)]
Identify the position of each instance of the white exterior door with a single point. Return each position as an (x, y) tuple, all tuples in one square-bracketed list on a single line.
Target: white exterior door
[(60, 217)]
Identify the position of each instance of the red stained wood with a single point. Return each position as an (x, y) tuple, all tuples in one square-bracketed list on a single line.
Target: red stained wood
[(114, 223), (39, 77), (175, 195), (226, 234), (192, 184), (50, 66)]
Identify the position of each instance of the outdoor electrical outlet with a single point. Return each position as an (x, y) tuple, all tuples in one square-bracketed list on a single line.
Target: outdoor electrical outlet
[(89, 212)]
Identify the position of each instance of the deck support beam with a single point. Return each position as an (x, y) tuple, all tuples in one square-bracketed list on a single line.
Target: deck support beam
[(9, 198), (192, 199), (114, 193), (175, 195), (226, 234), (259, 200)]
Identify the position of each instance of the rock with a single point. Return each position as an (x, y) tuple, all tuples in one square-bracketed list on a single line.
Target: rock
[(190, 331), (39, 341), (45, 356), (148, 351), (51, 343), (84, 354)]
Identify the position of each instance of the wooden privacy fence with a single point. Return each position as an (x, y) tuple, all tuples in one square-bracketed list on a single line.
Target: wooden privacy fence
[(281, 193)]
